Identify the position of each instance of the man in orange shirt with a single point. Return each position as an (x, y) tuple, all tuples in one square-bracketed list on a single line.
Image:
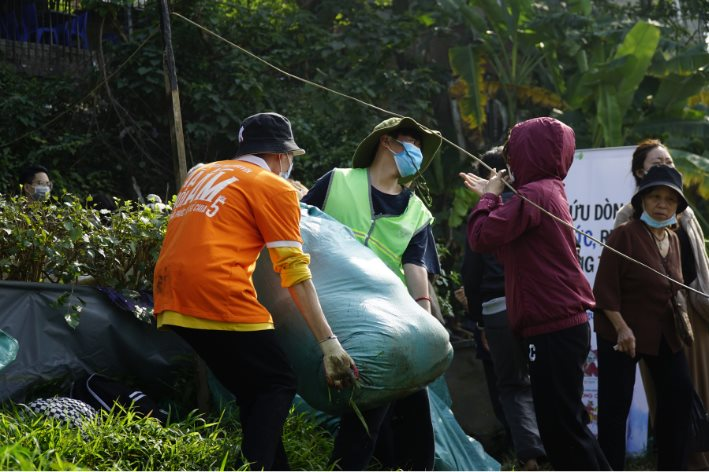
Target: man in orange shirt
[(225, 213)]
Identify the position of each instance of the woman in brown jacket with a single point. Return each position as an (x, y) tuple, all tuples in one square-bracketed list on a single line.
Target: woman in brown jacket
[(634, 320), (695, 272)]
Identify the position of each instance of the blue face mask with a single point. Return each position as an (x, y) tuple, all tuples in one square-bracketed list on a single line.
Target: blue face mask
[(409, 160), (653, 223), (41, 192)]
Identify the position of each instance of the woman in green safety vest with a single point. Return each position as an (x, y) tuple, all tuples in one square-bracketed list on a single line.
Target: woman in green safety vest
[(373, 200)]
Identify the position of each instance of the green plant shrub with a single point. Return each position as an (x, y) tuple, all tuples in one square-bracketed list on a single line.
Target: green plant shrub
[(65, 240), (43, 241)]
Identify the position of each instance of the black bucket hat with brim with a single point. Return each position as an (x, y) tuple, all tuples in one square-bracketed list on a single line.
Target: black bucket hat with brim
[(430, 143), (267, 133), (658, 176)]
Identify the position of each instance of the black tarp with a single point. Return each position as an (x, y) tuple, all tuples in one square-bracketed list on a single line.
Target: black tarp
[(107, 340)]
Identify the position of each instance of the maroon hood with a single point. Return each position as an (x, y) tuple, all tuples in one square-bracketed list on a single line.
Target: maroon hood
[(545, 287), (540, 148)]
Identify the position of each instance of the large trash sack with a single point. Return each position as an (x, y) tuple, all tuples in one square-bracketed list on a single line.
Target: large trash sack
[(397, 346), (454, 450), (107, 340), (8, 349)]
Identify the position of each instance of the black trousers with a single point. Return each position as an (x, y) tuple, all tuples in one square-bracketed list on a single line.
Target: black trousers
[(252, 367), (491, 380), (400, 436), (670, 375), (556, 370)]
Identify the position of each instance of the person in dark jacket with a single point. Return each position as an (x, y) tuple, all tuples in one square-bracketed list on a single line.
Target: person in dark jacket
[(547, 294), (484, 283)]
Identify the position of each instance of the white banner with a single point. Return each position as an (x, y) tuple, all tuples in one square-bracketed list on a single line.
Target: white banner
[(598, 185)]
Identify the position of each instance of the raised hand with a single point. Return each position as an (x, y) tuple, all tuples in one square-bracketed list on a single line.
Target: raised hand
[(480, 186)]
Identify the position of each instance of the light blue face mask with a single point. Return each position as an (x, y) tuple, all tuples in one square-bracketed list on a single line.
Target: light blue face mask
[(409, 160), (41, 192), (653, 223)]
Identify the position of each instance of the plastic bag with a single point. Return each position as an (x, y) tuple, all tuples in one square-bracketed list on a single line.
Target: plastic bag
[(104, 393), (455, 450), (397, 346), (8, 349)]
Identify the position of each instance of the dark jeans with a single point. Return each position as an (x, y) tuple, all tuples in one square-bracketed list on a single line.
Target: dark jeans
[(556, 369), (491, 380), (509, 358), (673, 387), (400, 436), (252, 367)]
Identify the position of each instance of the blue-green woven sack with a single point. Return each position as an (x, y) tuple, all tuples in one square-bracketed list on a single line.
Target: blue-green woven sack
[(397, 346), (8, 349)]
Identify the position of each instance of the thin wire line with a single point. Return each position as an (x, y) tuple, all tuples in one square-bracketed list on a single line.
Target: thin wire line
[(91, 92), (292, 76), (543, 210), (565, 223), (465, 152)]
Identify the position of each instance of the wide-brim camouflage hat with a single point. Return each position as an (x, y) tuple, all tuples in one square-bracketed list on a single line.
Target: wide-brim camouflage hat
[(430, 143)]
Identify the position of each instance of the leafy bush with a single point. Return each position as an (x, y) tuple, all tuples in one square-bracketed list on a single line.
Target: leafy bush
[(65, 240)]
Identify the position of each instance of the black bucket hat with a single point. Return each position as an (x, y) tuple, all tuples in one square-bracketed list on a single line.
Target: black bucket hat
[(267, 133), (430, 143), (659, 176)]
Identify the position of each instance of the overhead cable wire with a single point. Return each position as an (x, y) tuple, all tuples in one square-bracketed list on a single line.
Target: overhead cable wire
[(286, 73), (76, 102), (464, 151)]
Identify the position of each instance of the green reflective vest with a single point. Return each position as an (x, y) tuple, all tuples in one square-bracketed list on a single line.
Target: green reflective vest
[(349, 200)]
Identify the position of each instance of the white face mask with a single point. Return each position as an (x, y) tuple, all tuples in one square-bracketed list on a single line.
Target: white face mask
[(41, 192), (285, 174)]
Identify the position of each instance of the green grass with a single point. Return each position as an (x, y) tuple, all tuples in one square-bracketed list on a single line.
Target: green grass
[(125, 441), (128, 442)]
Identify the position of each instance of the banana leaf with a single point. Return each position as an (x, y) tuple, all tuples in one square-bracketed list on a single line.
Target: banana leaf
[(460, 9), (675, 130), (609, 116), (694, 169), (674, 90), (688, 62), (464, 63), (640, 43)]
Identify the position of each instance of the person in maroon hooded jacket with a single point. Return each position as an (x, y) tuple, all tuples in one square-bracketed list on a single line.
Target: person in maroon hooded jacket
[(547, 293)]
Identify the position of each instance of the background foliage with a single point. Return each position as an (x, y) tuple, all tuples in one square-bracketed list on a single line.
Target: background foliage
[(471, 68), (67, 241), (64, 239)]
